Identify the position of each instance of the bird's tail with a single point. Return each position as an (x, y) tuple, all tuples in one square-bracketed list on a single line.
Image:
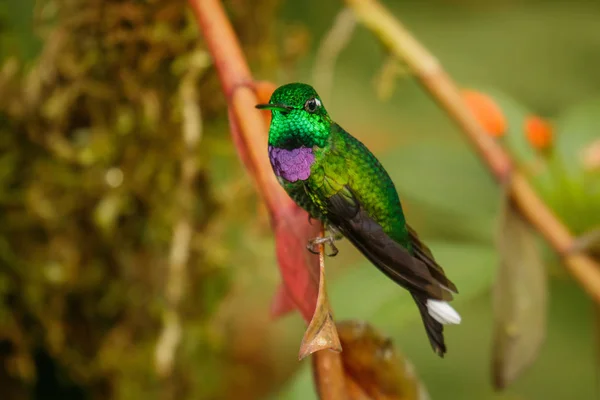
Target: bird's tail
[(434, 313), (434, 329)]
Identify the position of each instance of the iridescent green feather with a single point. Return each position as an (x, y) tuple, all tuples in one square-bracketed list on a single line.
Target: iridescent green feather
[(346, 162)]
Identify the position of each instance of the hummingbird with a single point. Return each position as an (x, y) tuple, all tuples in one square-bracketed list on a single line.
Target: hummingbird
[(337, 180)]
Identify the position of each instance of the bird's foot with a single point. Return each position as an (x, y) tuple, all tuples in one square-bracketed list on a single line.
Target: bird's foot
[(313, 245)]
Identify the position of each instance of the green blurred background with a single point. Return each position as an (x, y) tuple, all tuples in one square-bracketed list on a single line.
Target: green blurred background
[(83, 262)]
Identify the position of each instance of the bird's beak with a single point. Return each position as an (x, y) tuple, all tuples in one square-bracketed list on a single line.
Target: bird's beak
[(280, 107)]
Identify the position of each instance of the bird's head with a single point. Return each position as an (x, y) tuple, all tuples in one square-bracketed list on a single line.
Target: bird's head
[(299, 118)]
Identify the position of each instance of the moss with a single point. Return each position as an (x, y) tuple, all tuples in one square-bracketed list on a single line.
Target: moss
[(91, 145)]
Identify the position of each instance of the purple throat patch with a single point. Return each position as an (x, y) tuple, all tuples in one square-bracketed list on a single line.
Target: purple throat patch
[(292, 165)]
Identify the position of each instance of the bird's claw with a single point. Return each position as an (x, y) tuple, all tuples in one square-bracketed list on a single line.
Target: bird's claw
[(313, 245), (310, 246), (334, 251)]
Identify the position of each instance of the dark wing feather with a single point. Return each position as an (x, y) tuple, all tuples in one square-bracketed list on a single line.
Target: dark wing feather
[(422, 252), (419, 273), (345, 212), (435, 330)]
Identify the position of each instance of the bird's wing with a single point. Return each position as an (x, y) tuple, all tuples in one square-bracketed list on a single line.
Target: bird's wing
[(420, 275), (422, 252)]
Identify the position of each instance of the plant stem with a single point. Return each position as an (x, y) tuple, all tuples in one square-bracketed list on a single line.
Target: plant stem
[(328, 371), (441, 87)]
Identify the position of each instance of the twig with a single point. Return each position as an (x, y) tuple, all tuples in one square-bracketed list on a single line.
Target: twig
[(328, 371), (237, 84), (332, 45), (170, 336), (427, 68), (386, 78), (401, 43), (328, 374)]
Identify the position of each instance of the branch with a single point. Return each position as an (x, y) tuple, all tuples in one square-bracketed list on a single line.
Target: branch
[(298, 269), (336, 40), (238, 87), (170, 336), (329, 376), (321, 336), (429, 71)]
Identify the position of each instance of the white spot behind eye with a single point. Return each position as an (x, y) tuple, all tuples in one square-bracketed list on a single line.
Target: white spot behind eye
[(312, 104)]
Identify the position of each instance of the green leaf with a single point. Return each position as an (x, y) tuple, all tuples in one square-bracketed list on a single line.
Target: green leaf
[(576, 197), (445, 176), (520, 299), (577, 128)]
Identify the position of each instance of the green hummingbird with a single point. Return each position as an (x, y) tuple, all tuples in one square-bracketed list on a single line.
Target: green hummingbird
[(337, 180)]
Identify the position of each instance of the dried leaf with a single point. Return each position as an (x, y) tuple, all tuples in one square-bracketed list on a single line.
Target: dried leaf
[(520, 299), (354, 391), (321, 333), (375, 367)]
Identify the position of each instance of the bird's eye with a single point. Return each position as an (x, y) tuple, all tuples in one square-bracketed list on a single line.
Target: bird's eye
[(311, 105)]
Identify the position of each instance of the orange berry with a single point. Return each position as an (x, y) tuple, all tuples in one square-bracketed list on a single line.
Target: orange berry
[(538, 132), (487, 112)]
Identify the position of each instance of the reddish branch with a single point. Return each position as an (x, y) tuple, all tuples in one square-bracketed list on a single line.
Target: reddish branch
[(429, 71), (237, 82), (290, 223)]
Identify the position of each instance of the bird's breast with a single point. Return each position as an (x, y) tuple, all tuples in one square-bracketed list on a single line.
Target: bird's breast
[(292, 165)]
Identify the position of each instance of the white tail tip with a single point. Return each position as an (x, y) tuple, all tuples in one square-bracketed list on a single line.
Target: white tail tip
[(442, 312)]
